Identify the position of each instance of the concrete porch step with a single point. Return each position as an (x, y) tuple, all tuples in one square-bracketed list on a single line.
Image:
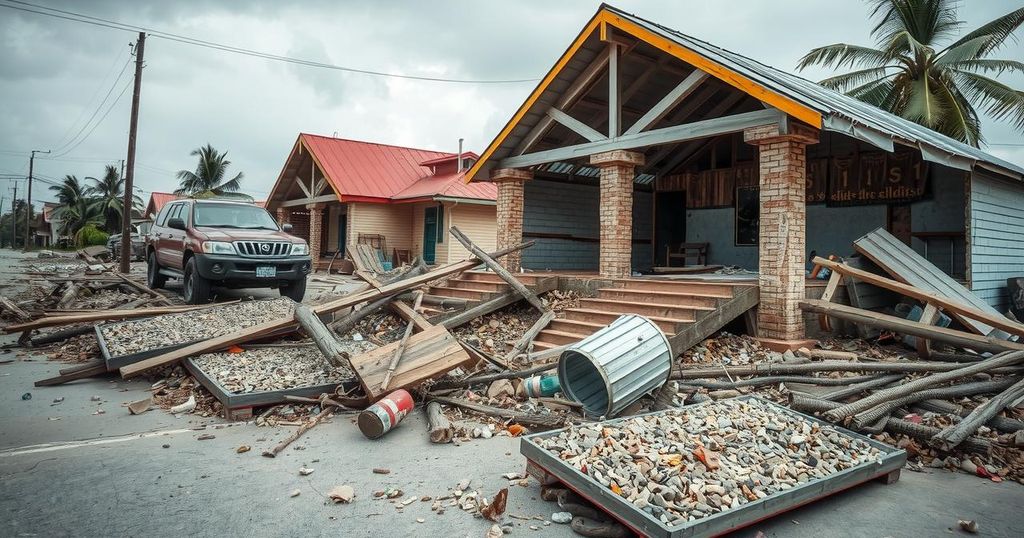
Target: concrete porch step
[(696, 301), (681, 313), (723, 291), (667, 325)]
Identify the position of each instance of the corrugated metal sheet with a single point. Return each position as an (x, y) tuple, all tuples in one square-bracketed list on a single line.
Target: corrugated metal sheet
[(997, 226), (449, 186), (841, 113), (615, 366), (157, 201)]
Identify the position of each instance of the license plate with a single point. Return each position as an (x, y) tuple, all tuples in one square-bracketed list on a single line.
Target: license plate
[(266, 271)]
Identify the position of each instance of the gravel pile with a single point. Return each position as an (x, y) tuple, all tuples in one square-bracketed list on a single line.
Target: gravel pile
[(174, 329), (275, 368), (694, 462)]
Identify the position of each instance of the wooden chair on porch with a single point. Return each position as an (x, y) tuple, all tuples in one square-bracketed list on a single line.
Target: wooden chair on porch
[(686, 252)]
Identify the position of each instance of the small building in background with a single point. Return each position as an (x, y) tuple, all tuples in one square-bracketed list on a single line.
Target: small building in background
[(337, 192)]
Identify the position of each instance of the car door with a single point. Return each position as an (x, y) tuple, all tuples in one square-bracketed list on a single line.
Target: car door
[(176, 238), (169, 239), (159, 232)]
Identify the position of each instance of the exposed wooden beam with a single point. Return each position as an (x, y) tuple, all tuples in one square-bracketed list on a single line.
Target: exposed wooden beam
[(665, 135), (305, 189), (694, 147), (305, 201), (569, 96), (614, 97), (575, 125), (682, 113), (669, 102)]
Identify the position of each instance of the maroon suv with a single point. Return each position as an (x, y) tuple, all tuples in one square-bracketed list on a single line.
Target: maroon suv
[(231, 244)]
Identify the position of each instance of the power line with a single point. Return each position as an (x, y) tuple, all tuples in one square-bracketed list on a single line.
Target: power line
[(64, 140), (58, 151), (97, 21), (97, 124)]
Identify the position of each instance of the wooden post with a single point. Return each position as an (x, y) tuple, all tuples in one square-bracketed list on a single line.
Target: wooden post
[(321, 335), (438, 425), (498, 269), (401, 345), (952, 436), (928, 317), (830, 290)]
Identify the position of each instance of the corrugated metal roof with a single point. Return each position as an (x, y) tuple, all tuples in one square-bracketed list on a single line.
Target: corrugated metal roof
[(157, 201), (449, 186), (840, 112)]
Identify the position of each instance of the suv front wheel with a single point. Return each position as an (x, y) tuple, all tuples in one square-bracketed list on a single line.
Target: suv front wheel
[(196, 289), (294, 290), (154, 279)]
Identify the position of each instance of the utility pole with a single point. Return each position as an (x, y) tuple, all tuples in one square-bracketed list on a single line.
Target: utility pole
[(126, 208), (14, 218), (28, 219)]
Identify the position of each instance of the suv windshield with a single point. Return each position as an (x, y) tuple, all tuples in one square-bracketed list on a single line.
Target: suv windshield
[(233, 216)]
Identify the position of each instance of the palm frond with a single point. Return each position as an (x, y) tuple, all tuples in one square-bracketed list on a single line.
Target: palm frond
[(876, 92), (840, 54), (999, 100), (990, 65), (923, 106), (853, 79), (994, 33), (960, 120)]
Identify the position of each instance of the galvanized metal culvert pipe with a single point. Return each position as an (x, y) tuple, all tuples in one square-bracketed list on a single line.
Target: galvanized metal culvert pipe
[(615, 366)]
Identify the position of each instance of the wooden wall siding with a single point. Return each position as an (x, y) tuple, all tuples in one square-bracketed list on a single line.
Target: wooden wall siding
[(417, 233), (393, 221), (997, 225), (477, 222)]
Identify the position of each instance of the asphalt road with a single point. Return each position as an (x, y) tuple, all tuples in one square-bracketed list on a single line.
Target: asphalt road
[(66, 470)]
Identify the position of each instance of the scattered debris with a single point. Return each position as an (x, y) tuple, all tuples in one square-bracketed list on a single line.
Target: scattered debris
[(969, 525), (140, 406), (206, 437), (295, 493), (243, 449), (341, 494)]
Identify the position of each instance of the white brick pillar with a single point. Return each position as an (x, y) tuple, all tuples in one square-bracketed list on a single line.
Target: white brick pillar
[(315, 215), (618, 169), (782, 161), (510, 213)]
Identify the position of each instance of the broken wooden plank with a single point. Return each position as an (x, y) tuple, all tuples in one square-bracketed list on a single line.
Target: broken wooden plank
[(523, 344), (834, 281), (913, 328), (955, 434), (909, 267), (397, 358), (929, 316), (321, 335), (70, 294), (104, 315), (498, 269), (428, 354), (263, 329), (14, 309), (438, 425), (544, 421), (407, 313), (954, 306), (144, 289), (93, 370)]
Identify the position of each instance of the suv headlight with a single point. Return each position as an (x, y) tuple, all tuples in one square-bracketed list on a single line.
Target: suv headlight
[(300, 249), (218, 247)]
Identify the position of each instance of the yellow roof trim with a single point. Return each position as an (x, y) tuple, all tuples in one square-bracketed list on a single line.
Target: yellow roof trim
[(599, 22)]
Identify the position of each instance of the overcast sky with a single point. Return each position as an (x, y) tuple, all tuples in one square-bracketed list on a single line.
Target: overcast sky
[(54, 73)]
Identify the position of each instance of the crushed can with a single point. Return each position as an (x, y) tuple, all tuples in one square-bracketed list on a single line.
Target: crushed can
[(541, 385), (384, 415)]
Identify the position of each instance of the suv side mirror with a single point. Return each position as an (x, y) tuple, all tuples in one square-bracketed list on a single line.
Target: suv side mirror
[(287, 227), (176, 223)]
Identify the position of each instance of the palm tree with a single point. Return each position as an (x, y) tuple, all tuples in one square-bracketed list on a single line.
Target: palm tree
[(208, 178), (75, 209), (911, 74), (107, 194)]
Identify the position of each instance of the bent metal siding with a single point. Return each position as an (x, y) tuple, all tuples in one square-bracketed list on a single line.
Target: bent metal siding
[(997, 229)]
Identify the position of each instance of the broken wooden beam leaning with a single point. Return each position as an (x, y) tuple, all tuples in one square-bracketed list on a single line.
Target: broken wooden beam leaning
[(950, 305), (498, 269), (263, 329)]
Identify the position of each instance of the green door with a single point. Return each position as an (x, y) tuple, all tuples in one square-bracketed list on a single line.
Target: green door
[(342, 232), (429, 234)]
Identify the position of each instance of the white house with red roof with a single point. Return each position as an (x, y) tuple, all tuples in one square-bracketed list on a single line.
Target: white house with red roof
[(337, 192)]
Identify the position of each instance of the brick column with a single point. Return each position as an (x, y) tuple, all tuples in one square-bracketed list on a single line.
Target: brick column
[(315, 212), (510, 213), (618, 169), (781, 240)]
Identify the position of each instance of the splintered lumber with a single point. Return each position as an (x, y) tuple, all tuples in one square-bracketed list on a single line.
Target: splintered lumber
[(488, 378), (1003, 424), (544, 421), (913, 328), (428, 354), (909, 267), (955, 307), (306, 426), (498, 269), (144, 289), (321, 335), (872, 415), (523, 344), (834, 281), (407, 313), (103, 315), (892, 425), (256, 331), (349, 321), (952, 436), (828, 354), (484, 356), (1000, 360), (397, 358), (93, 370), (80, 367), (70, 294), (438, 425), (858, 388), (481, 309), (438, 300), (14, 309), (63, 334), (771, 380), (823, 366)]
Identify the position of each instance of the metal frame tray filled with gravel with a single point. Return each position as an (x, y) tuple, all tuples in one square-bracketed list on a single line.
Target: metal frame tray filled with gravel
[(167, 322), (234, 400), (707, 451)]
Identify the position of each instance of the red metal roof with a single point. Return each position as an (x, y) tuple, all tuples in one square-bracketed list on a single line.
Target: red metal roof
[(451, 157), (449, 186), (157, 201)]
